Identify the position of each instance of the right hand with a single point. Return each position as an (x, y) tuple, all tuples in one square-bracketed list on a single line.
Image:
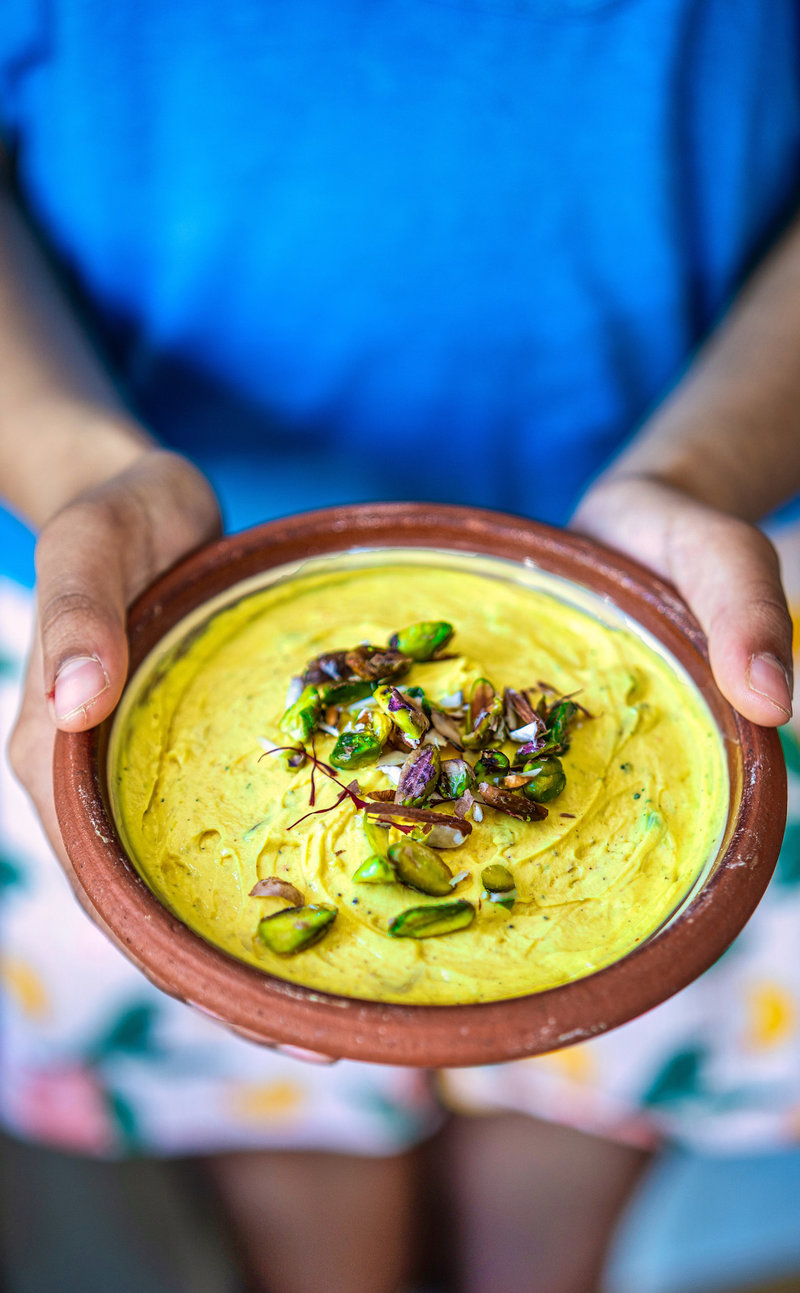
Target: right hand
[(93, 557)]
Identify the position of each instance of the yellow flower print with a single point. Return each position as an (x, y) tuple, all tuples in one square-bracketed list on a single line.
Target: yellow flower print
[(575, 1063), (771, 1016), (266, 1101), (25, 987)]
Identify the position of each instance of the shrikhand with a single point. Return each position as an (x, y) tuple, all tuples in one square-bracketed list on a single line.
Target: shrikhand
[(230, 823)]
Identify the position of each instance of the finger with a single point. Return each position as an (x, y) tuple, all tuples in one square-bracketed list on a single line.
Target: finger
[(30, 750), (81, 605), (726, 570), (729, 574)]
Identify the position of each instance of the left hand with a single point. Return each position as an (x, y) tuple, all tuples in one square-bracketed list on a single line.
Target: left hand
[(726, 570)]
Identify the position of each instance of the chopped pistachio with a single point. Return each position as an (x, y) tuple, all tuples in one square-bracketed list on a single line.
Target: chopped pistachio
[(377, 836), (455, 778), (548, 780), (492, 766), (497, 878), (422, 641), (295, 928), (433, 921), (376, 870), (485, 722), (418, 776), (343, 693), (377, 664), (559, 717), (404, 712), (302, 717), (420, 868), (331, 666), (354, 749)]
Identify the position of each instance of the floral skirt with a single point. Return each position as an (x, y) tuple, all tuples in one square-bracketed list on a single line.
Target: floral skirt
[(96, 1060)]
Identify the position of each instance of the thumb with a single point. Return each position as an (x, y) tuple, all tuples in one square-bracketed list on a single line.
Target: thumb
[(726, 570), (729, 574), (81, 599)]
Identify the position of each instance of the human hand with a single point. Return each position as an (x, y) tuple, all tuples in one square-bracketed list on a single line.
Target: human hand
[(93, 557), (725, 569)]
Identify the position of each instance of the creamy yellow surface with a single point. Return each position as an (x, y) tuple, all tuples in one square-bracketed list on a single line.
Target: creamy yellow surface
[(205, 815)]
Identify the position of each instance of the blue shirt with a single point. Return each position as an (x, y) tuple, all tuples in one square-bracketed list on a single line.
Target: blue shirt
[(351, 249)]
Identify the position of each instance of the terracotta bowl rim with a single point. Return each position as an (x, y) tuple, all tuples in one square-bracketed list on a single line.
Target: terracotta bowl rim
[(270, 1010)]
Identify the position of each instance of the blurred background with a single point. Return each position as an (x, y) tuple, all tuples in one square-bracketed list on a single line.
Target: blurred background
[(694, 1225)]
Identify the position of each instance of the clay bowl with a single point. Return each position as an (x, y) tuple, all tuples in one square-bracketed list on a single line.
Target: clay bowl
[(267, 1009)]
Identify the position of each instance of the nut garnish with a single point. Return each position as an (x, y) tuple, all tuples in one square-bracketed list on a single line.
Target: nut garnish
[(274, 887), (295, 928), (433, 921), (395, 722)]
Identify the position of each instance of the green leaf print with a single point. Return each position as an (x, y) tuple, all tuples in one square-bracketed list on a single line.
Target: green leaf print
[(126, 1123), (8, 665), (679, 1079), (130, 1034), (12, 874), (787, 871), (791, 749)]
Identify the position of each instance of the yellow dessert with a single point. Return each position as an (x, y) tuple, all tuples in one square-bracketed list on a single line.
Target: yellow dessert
[(207, 809)]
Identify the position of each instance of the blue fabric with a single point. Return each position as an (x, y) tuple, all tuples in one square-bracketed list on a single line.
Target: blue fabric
[(344, 249), (698, 1225)]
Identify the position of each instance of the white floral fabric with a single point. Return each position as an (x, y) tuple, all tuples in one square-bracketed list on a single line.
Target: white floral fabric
[(96, 1060)]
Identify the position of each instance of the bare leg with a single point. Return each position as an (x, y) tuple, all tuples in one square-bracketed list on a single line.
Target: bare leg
[(534, 1203), (318, 1223)]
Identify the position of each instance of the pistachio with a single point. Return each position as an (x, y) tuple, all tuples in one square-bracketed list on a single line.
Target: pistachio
[(376, 836), (344, 693), (293, 759), (329, 667), (512, 802), (420, 868), (418, 776), (363, 743), (404, 712), (433, 921), (302, 717), (455, 779), (295, 928), (354, 749), (503, 900), (485, 721), (559, 717), (376, 870), (548, 780), (497, 878), (492, 766), (377, 664), (422, 641)]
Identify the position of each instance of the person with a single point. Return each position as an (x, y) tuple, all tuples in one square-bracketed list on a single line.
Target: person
[(533, 254)]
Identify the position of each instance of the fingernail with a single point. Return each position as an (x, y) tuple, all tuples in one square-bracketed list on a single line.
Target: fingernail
[(79, 682), (767, 677), (309, 1057)]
